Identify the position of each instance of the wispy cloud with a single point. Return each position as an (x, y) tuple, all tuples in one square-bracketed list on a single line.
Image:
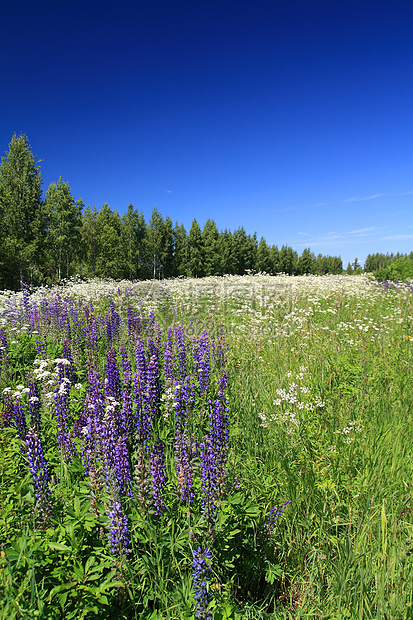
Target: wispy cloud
[(395, 237), (301, 233), (406, 193), (362, 198), (362, 230), (169, 191)]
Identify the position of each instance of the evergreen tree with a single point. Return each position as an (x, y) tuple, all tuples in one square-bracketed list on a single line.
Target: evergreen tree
[(288, 260), (306, 263), (21, 216), (225, 252), (180, 257), (195, 251), (210, 239), (275, 259), (263, 257)]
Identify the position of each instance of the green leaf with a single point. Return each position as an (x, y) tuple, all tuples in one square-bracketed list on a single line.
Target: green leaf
[(59, 547)]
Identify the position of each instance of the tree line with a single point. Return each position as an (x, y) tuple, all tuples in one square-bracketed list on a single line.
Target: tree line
[(47, 238)]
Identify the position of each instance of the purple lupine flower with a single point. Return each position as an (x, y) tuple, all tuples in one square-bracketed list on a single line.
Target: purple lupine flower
[(61, 407), (152, 348), (112, 383), (8, 411), (158, 476), (140, 357), (273, 516), (126, 369), (122, 467), (112, 322), (181, 351), (93, 413), (41, 348), (3, 346), (40, 475), (3, 338), (119, 536), (34, 404), (126, 422), (134, 324), (151, 393), (209, 479), (201, 574), (108, 437), (19, 418)]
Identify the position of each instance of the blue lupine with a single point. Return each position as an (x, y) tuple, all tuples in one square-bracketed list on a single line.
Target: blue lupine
[(112, 384), (126, 369), (19, 419), (41, 348), (8, 411), (3, 346), (122, 468), (273, 516), (158, 472), (40, 475), (209, 482), (140, 356), (119, 536), (201, 575)]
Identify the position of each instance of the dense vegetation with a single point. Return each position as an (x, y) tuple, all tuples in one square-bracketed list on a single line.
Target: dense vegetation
[(226, 447), (47, 238)]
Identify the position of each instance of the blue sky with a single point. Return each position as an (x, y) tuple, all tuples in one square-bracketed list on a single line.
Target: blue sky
[(292, 119)]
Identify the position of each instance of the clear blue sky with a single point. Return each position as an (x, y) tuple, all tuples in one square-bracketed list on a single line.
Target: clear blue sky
[(292, 119)]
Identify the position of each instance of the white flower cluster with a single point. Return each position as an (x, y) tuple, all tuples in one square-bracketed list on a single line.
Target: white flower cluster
[(293, 398), (348, 431)]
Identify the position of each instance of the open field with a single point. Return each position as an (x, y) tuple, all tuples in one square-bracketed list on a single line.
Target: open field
[(227, 447)]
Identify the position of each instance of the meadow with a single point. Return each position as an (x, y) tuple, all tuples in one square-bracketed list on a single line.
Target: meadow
[(218, 448)]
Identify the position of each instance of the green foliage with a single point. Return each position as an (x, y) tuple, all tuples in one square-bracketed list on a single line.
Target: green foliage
[(20, 213)]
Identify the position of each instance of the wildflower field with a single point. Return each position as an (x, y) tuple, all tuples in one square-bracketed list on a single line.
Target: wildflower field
[(217, 448)]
